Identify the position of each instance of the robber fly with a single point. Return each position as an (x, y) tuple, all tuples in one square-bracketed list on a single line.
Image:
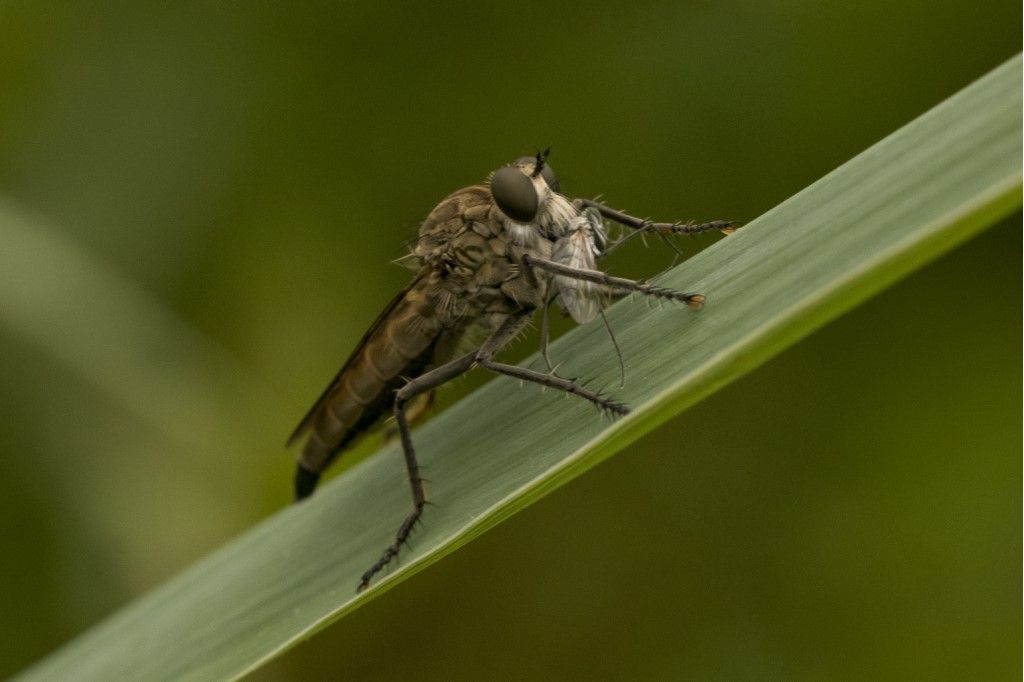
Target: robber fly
[(488, 257)]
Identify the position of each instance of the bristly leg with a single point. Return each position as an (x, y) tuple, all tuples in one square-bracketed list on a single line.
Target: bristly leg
[(611, 407), (445, 373), (418, 386), (695, 301), (415, 410), (622, 241), (423, 384), (644, 225)]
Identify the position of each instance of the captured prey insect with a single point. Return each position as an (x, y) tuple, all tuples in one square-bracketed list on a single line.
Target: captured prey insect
[(488, 257)]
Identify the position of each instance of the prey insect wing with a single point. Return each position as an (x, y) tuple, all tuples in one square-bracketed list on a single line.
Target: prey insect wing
[(579, 249)]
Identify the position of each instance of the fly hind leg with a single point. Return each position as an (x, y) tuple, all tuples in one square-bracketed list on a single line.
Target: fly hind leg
[(415, 411), (426, 383), (418, 386)]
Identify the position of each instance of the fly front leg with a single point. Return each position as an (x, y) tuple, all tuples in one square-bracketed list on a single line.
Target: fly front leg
[(695, 301), (664, 229)]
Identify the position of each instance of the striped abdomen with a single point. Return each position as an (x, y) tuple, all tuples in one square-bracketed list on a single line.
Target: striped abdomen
[(399, 345)]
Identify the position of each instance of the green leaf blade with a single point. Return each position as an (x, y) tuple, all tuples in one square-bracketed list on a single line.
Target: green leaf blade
[(893, 208)]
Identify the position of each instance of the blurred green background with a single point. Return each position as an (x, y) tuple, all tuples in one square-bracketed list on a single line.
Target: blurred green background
[(199, 203)]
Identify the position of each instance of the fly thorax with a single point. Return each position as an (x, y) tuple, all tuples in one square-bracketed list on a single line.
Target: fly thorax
[(522, 234)]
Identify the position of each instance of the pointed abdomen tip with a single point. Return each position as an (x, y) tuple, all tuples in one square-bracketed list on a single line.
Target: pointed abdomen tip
[(305, 482)]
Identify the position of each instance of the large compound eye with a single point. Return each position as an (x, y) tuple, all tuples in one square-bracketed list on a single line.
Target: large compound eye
[(548, 173), (514, 193)]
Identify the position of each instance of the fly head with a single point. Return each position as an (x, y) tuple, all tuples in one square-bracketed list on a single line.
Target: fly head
[(522, 188)]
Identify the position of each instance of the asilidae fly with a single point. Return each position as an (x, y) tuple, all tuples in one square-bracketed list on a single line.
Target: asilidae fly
[(488, 258)]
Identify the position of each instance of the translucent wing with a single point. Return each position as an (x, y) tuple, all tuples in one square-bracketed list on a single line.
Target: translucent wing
[(579, 249)]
